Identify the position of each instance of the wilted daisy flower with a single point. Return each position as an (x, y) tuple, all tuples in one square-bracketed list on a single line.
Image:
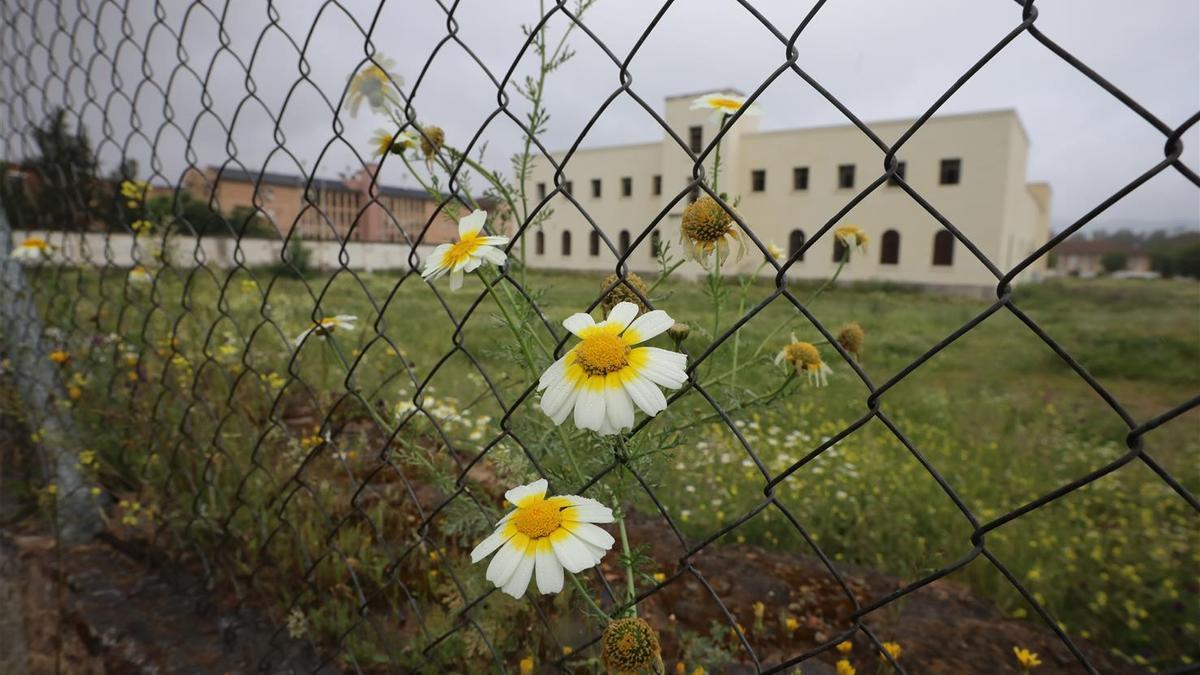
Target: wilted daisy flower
[(33, 249), (851, 338), (139, 275), (432, 139), (852, 235), (706, 227), (384, 141), (328, 325), (774, 251), (805, 358), (373, 84), (723, 104), (472, 249), (544, 536), (603, 376), (622, 292), (630, 646)]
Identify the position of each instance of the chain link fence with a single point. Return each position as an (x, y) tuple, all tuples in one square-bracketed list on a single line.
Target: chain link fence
[(324, 481)]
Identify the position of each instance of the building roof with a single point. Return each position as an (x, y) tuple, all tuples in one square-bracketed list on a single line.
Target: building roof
[(324, 184)]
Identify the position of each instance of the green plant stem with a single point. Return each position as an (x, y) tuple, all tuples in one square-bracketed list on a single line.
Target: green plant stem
[(588, 596), (630, 586), (760, 399), (737, 335)]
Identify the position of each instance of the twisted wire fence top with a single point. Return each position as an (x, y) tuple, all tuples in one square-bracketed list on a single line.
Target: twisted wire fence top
[(125, 73)]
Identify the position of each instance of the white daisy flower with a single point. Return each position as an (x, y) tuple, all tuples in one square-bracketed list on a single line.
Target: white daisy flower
[(328, 325), (471, 250), (724, 104), (32, 250), (603, 376), (543, 536), (140, 276)]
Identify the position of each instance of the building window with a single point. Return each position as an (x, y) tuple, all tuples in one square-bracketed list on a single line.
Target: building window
[(696, 139), (800, 178), (951, 172), (839, 250), (657, 185), (541, 188), (569, 187), (758, 180), (624, 241), (594, 243), (943, 248), (846, 176), (795, 243), (539, 243), (889, 249), (566, 244), (626, 186), (899, 175), (694, 192), (595, 188), (655, 244)]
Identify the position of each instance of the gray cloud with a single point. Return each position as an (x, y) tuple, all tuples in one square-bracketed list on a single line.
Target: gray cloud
[(883, 60)]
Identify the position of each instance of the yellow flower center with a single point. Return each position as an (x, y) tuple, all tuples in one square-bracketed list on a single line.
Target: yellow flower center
[(34, 242), (602, 353), (725, 103), (803, 355), (461, 251), (538, 520)]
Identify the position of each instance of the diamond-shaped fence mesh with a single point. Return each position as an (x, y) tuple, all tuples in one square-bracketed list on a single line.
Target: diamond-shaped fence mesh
[(335, 474)]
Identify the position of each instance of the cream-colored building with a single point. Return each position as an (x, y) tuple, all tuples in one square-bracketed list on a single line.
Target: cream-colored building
[(970, 168)]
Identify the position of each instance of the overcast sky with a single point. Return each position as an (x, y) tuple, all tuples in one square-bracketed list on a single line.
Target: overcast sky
[(885, 59)]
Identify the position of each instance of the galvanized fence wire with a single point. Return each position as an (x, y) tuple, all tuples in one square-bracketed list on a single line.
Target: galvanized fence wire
[(45, 47)]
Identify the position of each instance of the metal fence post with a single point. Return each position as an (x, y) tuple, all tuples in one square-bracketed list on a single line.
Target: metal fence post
[(39, 387)]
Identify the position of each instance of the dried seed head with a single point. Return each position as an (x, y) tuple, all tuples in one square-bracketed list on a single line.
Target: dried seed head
[(705, 222), (623, 292), (432, 141), (630, 646), (851, 339)]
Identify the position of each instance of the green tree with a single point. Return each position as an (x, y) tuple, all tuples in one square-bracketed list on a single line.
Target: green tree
[(1114, 262)]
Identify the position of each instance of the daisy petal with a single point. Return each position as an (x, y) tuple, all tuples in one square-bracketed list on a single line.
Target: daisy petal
[(589, 408), (519, 581), (494, 541), (578, 322), (593, 535), (571, 552), (505, 562), (471, 224), (651, 324), (645, 395), (623, 314), (618, 405), (549, 569), (536, 489)]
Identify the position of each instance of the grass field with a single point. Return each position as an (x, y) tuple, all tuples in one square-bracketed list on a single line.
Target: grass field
[(997, 413)]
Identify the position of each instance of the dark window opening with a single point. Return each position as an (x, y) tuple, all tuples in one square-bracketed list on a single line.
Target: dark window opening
[(696, 139), (569, 187), (539, 243), (889, 248), (951, 172), (694, 192), (800, 178), (623, 242), (657, 185), (626, 186), (901, 167), (594, 243), (943, 249), (595, 188), (758, 180), (795, 243), (655, 244), (541, 188), (566, 243), (846, 176)]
